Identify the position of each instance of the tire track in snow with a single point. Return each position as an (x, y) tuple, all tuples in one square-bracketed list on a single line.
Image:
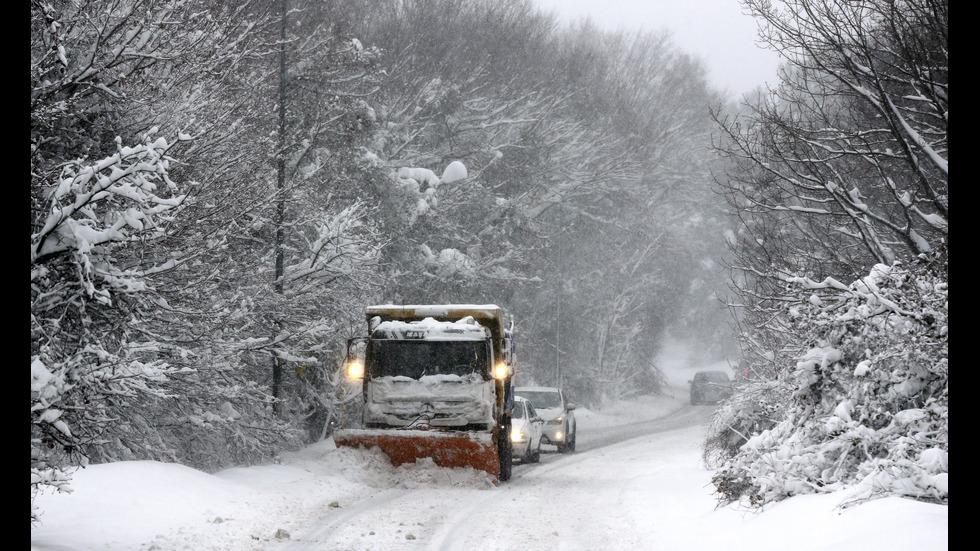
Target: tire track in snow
[(441, 519), (453, 534), (319, 537)]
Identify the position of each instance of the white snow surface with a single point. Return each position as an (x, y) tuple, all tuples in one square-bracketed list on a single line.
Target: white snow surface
[(650, 492)]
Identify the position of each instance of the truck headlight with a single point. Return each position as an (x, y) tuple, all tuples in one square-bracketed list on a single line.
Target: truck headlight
[(355, 369), (500, 371)]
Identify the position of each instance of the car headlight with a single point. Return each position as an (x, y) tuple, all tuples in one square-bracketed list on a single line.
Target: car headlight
[(557, 420), (517, 436)]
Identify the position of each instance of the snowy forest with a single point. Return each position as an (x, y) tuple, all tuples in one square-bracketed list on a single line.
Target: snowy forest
[(218, 189)]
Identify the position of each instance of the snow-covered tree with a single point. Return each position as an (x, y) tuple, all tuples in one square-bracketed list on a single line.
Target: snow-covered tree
[(622, 200), (102, 198), (848, 155), (839, 171), (151, 257)]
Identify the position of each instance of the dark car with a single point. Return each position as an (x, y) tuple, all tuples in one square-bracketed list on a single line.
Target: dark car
[(710, 387)]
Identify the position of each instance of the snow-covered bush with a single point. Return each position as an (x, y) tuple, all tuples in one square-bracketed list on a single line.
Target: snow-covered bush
[(867, 403), (752, 409)]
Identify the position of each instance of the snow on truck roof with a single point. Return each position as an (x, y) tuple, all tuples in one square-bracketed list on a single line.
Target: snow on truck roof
[(431, 329), (435, 310)]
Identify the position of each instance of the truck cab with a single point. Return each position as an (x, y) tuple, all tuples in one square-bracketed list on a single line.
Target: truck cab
[(437, 382), (430, 374)]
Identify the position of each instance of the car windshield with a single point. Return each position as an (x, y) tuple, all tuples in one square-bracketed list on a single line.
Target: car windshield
[(542, 399), (718, 378), (518, 411), (416, 359)]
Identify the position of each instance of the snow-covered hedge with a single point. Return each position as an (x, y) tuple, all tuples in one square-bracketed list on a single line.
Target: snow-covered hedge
[(867, 404)]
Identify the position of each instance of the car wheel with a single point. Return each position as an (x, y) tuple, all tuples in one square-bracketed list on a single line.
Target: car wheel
[(564, 447), (571, 442), (536, 457), (694, 399)]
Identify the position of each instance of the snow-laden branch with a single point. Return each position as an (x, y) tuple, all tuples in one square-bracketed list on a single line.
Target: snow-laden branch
[(112, 200)]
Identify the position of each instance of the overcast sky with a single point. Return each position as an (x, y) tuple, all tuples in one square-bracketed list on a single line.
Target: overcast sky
[(714, 30)]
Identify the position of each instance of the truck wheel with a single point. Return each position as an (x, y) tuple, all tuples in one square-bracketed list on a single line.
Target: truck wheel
[(506, 458)]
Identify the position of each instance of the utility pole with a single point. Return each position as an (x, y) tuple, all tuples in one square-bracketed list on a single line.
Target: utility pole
[(561, 231), (281, 200)]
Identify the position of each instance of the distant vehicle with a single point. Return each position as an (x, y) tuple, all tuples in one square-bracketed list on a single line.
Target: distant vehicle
[(710, 387), (525, 431), (559, 417)]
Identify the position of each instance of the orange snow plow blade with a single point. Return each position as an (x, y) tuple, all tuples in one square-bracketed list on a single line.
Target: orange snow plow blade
[(447, 449)]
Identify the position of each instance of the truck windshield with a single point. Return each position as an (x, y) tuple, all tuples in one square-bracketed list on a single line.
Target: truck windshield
[(416, 359)]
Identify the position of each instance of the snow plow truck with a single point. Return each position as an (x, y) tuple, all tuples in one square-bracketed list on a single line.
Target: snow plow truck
[(437, 383)]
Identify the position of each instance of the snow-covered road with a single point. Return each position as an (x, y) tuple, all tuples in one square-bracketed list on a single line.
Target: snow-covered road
[(580, 497)]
